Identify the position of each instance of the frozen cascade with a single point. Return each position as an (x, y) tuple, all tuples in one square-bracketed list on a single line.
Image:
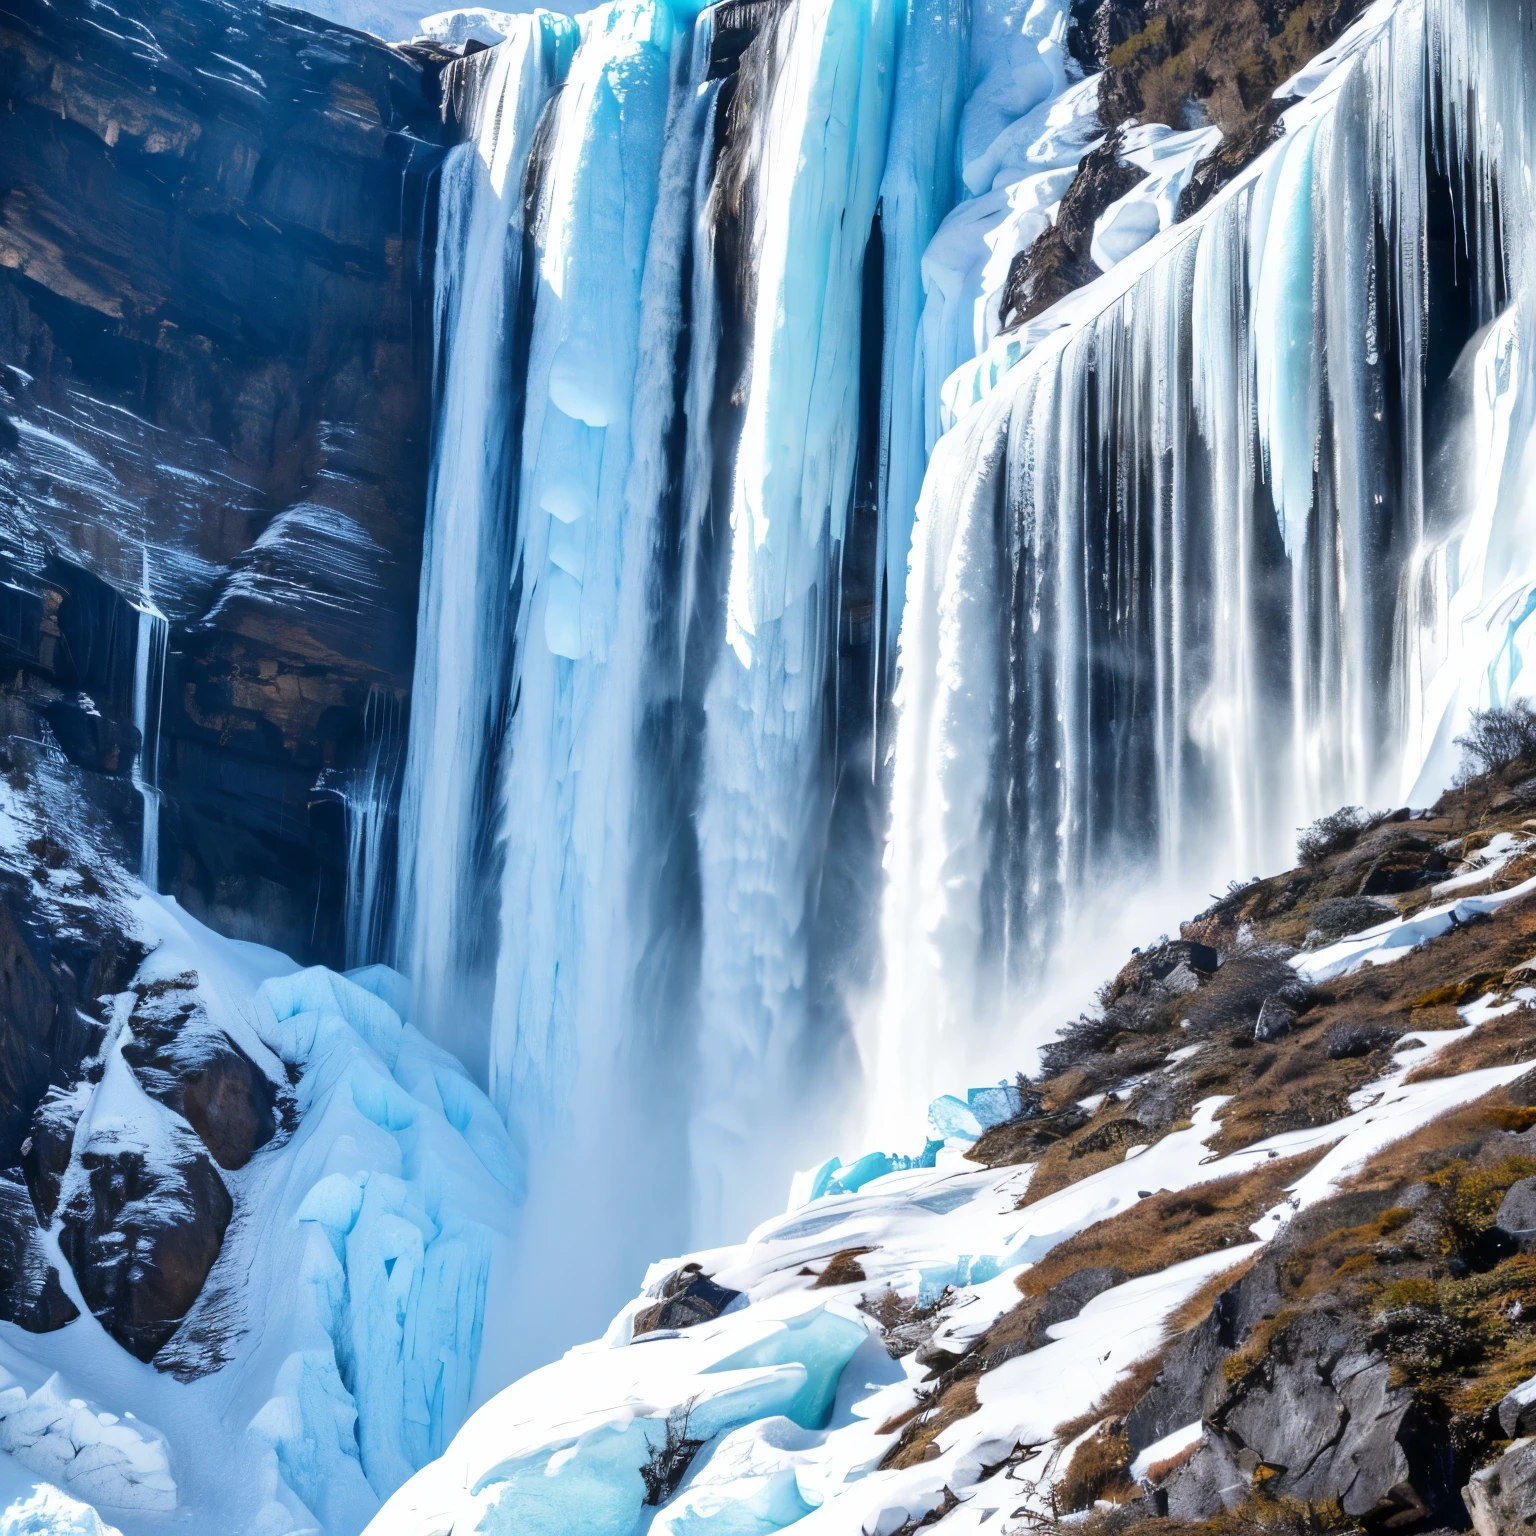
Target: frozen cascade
[(1178, 583), (148, 692), (369, 800), (561, 1041), (446, 868), (762, 815)]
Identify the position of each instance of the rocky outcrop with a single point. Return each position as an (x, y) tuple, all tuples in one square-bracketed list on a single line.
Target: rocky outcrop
[(216, 389), (31, 1295), (1501, 1499)]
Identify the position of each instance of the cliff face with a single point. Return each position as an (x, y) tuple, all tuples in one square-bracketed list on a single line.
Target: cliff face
[(215, 287)]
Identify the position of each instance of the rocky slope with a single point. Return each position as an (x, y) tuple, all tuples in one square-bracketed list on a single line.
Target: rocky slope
[(215, 354)]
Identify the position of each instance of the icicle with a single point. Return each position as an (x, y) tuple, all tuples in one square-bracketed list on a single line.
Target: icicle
[(148, 694)]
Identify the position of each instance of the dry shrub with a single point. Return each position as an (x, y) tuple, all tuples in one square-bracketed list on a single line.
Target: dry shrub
[(843, 1268), (1099, 1469), (1496, 738), (921, 1426), (1331, 834)]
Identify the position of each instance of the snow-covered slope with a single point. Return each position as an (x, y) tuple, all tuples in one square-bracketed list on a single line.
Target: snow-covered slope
[(794, 1391)]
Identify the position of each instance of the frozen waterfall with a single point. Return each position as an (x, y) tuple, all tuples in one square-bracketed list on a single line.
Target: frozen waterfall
[(1197, 554), (1179, 583)]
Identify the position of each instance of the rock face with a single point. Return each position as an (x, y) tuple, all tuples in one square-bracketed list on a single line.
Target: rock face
[(215, 280)]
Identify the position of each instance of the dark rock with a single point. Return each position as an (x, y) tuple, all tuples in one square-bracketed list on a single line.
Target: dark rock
[(688, 1296), (30, 1293), (1523, 1090), (1068, 1297), (1501, 1499), (1176, 1396), (1317, 1417), (1058, 262), (1517, 1214), (223, 294), (197, 1071), (1341, 916), (46, 1152), (141, 1235), (1276, 1019), (1343, 1041)]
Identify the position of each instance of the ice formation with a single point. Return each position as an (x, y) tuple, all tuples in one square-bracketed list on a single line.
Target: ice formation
[(705, 320)]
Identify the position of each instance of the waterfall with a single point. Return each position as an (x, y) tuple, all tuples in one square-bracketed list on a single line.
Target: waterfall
[(1183, 573), (148, 695), (447, 868), (1176, 588)]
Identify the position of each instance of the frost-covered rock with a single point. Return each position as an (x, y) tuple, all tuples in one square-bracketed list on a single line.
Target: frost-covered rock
[(107, 1459)]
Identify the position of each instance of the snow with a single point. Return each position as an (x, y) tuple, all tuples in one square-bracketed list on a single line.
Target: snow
[(1169, 1446), (1151, 207), (94, 1455)]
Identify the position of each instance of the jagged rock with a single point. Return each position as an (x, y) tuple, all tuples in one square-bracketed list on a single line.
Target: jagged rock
[(1517, 1213), (219, 293), (30, 1293), (1316, 1417), (141, 1233), (1176, 1396), (1501, 1499), (688, 1296), (198, 1072), (1059, 262), (1517, 1410), (1179, 958), (46, 1152)]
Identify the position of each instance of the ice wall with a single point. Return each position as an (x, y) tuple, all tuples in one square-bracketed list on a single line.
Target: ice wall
[(1179, 584)]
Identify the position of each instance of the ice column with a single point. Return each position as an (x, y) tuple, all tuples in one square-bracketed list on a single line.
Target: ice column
[(581, 561), (1177, 585), (763, 803), (148, 695), (464, 628)]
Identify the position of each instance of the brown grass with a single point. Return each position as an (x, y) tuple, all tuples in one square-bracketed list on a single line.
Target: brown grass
[(1499, 1043), (1198, 1307), (1167, 1229), (924, 1424), (843, 1268)]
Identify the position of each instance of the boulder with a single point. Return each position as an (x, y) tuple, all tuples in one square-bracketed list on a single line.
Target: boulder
[(1517, 1213), (1501, 1499), (688, 1297), (1517, 1410), (1317, 1417), (141, 1229)]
